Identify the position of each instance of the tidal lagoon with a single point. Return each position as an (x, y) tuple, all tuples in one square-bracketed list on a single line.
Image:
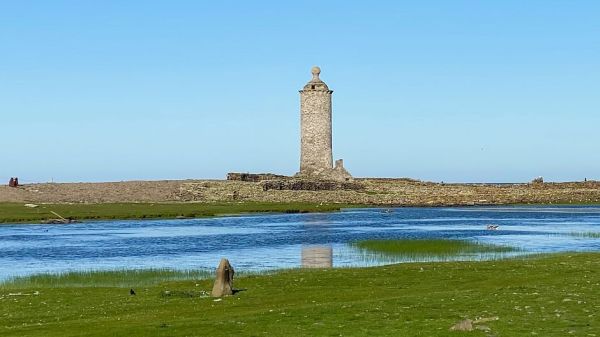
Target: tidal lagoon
[(274, 241)]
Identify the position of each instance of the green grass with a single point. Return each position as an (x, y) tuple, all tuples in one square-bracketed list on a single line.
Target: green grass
[(433, 248), (113, 278), (554, 295), (17, 212)]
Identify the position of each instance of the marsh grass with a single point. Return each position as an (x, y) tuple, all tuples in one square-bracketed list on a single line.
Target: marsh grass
[(105, 278), (430, 249), (116, 278)]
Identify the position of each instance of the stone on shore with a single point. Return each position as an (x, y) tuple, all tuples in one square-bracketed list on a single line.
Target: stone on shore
[(224, 280), (465, 325)]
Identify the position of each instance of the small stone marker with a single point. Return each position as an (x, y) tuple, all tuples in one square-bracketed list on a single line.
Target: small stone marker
[(469, 325), (465, 325), (224, 280)]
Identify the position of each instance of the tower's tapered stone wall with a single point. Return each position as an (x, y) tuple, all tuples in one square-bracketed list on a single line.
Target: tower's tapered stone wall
[(316, 157), (315, 126)]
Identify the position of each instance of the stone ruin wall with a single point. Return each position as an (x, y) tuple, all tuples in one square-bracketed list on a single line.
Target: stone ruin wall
[(253, 177), (310, 185)]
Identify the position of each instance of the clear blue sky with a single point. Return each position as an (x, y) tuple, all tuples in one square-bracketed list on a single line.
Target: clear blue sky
[(436, 90)]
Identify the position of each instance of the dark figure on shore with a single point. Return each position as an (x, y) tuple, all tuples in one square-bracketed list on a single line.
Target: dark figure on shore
[(131, 292), (11, 182), (16, 182)]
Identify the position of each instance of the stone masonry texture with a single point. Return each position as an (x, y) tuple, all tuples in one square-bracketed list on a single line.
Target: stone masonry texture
[(315, 115)]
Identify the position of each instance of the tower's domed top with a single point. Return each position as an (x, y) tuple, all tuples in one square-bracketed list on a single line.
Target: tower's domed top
[(315, 71), (316, 83)]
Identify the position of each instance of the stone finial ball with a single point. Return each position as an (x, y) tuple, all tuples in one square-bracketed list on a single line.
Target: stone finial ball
[(315, 70)]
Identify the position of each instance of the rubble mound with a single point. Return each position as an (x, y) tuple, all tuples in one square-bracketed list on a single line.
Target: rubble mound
[(310, 185)]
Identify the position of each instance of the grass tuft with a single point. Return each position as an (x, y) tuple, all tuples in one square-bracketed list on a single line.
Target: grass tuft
[(105, 278), (429, 248)]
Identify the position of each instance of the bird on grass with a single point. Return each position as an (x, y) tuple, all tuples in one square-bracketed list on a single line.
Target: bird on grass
[(131, 292)]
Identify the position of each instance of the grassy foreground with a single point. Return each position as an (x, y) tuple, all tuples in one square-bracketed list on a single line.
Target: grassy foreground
[(554, 295), (17, 212)]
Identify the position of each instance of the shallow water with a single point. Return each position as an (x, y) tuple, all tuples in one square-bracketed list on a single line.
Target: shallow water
[(262, 242)]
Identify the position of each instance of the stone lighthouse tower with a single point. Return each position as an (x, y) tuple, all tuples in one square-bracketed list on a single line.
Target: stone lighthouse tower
[(316, 157)]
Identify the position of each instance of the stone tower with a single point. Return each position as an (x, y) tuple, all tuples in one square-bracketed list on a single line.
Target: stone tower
[(316, 158)]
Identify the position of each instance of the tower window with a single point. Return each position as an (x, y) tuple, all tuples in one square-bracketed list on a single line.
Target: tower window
[(312, 86)]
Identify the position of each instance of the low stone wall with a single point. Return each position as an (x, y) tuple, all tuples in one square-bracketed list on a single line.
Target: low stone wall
[(310, 185), (252, 177)]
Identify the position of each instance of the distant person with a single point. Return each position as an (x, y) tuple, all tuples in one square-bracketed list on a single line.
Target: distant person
[(11, 182), (16, 182)]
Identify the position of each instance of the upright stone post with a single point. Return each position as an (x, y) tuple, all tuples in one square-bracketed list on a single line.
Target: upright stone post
[(224, 280)]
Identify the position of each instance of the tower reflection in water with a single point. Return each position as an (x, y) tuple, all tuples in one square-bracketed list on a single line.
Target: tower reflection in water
[(316, 254)]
